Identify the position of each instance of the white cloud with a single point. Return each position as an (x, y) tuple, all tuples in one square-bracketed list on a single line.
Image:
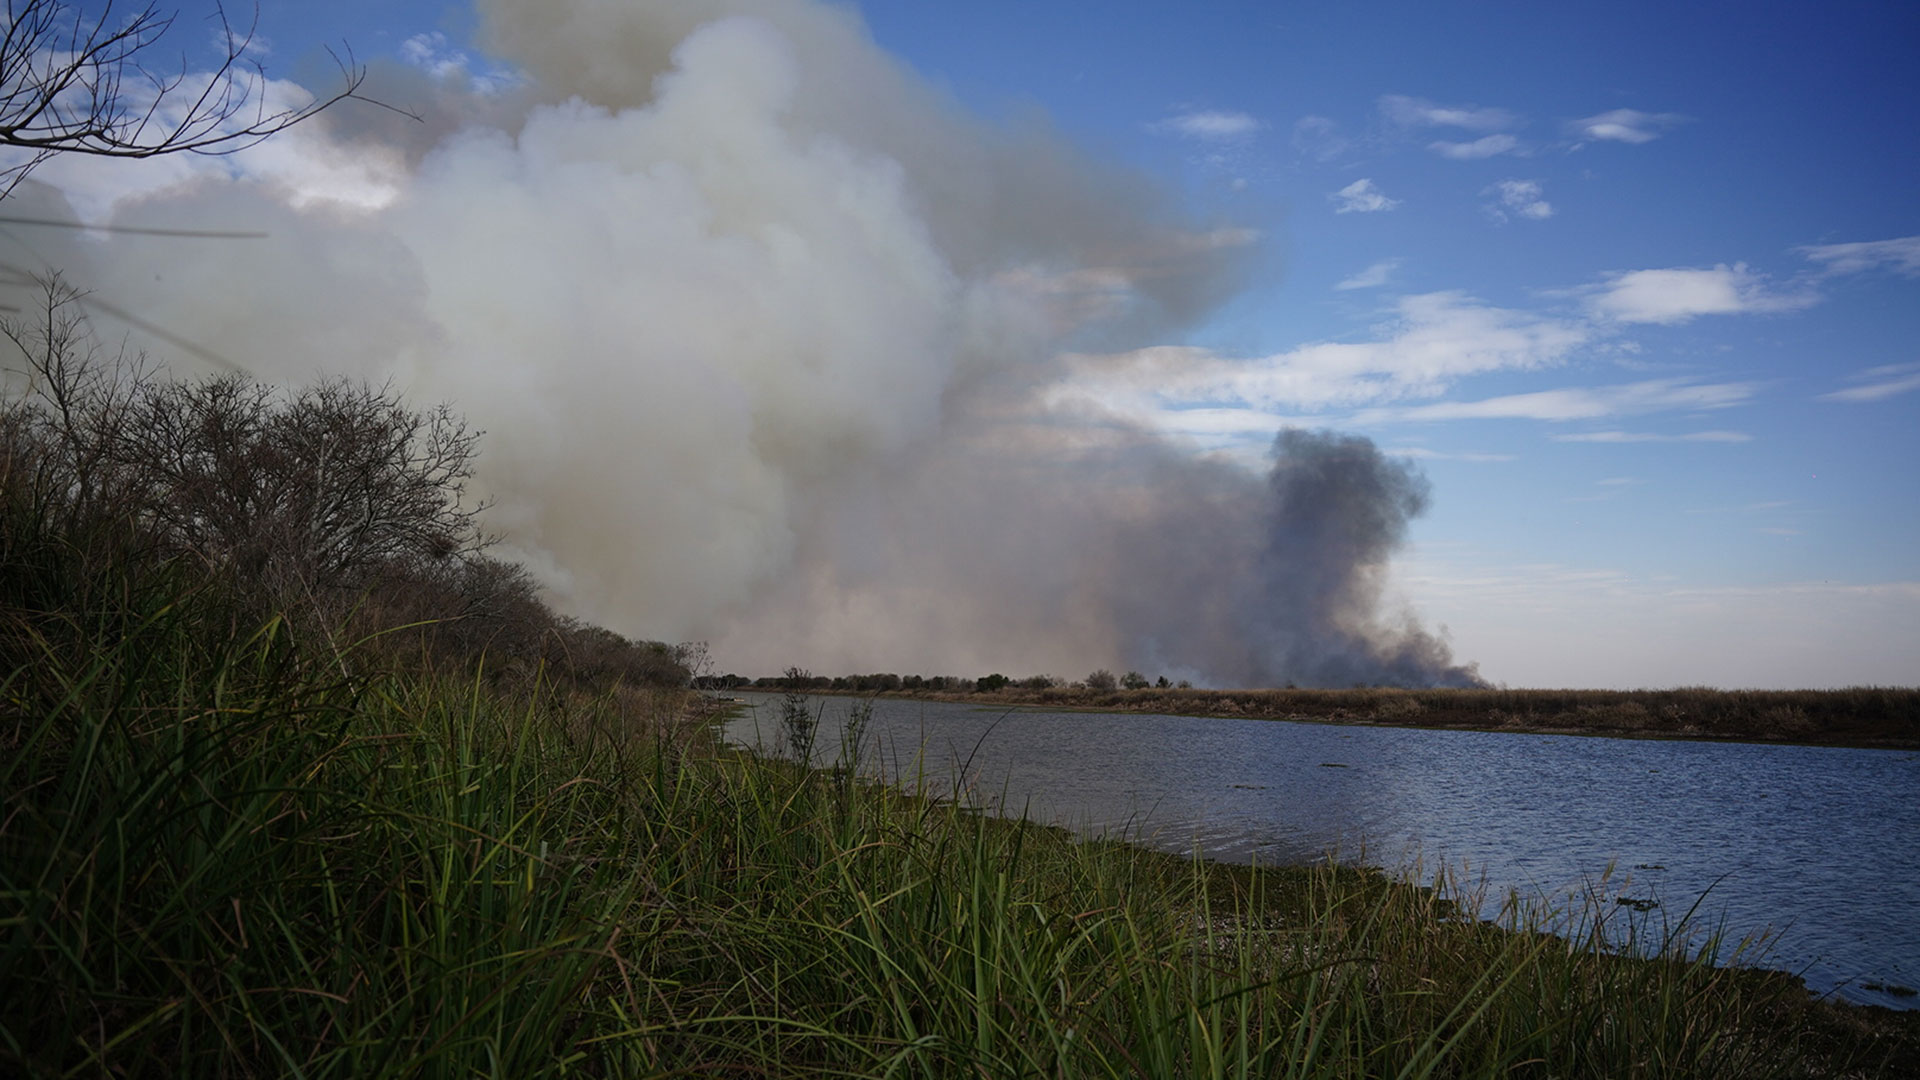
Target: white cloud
[(433, 54), (1651, 437), (1626, 125), (1373, 276), (1479, 148), (1523, 197), (1418, 112), (1362, 197), (1436, 339), (1577, 403), (1902, 256), (1679, 295), (1878, 384), (1421, 453), (239, 42), (1210, 124)]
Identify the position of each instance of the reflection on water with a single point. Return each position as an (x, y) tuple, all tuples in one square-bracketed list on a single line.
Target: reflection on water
[(1820, 844)]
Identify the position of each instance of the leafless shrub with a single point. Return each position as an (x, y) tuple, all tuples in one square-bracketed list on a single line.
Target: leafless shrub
[(68, 405), (299, 495), (597, 658), (305, 492), (457, 610)]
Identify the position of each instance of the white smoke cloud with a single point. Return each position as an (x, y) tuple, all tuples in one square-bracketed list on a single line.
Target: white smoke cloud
[(753, 321)]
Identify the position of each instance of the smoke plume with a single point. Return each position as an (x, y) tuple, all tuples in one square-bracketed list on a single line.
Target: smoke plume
[(757, 325)]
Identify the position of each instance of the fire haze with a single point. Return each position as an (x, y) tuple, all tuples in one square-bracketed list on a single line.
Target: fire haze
[(759, 328)]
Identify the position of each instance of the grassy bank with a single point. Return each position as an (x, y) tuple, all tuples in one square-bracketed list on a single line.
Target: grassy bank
[(1871, 716), (225, 852)]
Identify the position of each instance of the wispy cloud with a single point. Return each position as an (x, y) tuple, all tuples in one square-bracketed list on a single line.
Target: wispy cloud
[(1522, 197), (1653, 437), (1418, 112), (1421, 453), (1210, 424), (1210, 124), (1626, 125), (1373, 276), (234, 40), (433, 54), (1681, 294), (1361, 197), (1319, 138), (1436, 339), (1878, 384), (1484, 147), (1579, 403), (1902, 256)]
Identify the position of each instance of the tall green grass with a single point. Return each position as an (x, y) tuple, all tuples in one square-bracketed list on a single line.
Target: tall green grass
[(226, 852)]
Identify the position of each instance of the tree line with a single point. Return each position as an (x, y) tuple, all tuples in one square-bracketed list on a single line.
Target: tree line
[(798, 679)]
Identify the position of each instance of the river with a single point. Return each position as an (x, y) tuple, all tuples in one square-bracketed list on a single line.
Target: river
[(1819, 845)]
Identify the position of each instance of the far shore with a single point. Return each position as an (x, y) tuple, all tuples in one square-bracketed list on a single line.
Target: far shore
[(1879, 718)]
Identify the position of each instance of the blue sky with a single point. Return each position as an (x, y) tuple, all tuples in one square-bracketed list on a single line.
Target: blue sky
[(1524, 157), (1637, 286)]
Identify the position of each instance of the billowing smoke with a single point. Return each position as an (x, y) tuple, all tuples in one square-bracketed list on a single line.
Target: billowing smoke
[(1114, 547), (757, 324), (1339, 510)]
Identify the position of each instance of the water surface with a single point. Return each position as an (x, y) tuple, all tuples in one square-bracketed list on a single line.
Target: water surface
[(1819, 844)]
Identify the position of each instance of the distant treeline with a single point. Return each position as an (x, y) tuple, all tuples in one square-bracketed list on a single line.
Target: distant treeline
[(1868, 716), (798, 679)]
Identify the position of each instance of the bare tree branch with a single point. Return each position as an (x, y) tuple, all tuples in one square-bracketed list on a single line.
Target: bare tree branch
[(74, 83)]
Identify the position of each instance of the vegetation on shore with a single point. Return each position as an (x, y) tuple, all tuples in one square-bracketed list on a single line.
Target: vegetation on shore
[(1865, 716)]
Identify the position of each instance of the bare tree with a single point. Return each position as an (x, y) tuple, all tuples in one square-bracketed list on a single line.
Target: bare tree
[(67, 407), (305, 490), (298, 492), (75, 82)]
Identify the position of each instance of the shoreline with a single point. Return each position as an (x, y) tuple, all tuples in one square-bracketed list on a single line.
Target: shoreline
[(1828, 1025), (1865, 719), (1907, 1014)]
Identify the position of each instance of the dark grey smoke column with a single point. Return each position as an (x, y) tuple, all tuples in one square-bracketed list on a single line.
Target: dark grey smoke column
[(1339, 509)]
